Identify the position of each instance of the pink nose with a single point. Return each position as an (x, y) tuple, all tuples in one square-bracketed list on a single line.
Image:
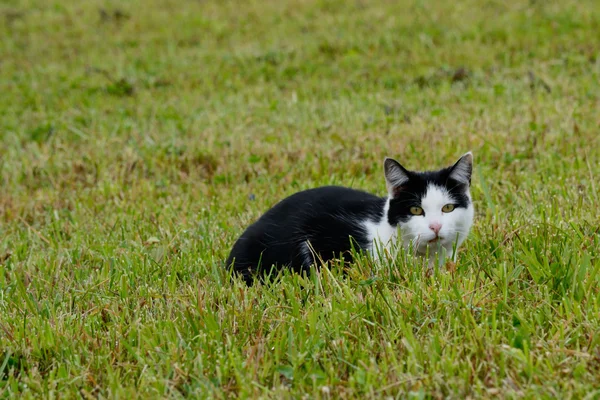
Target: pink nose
[(435, 226)]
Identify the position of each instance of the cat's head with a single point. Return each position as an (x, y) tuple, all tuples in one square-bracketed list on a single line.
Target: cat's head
[(432, 208)]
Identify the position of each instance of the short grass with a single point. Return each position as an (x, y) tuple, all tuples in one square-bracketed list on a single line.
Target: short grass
[(139, 138)]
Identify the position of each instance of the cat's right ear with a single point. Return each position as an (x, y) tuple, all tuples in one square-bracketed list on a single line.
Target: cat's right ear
[(395, 176)]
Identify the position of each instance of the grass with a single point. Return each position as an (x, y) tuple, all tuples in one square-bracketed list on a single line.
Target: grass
[(140, 138)]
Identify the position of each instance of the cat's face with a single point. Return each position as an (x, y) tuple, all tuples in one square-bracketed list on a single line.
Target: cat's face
[(431, 208)]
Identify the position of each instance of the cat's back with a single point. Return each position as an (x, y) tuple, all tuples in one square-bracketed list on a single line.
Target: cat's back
[(326, 200), (334, 212)]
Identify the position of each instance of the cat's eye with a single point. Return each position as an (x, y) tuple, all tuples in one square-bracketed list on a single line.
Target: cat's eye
[(448, 208), (416, 211)]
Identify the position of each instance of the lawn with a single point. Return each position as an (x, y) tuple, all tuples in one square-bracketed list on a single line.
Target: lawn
[(139, 139)]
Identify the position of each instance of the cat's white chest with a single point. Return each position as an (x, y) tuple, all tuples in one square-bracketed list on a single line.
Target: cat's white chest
[(381, 234)]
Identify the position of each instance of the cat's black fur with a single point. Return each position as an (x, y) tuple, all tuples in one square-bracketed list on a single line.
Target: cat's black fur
[(327, 217)]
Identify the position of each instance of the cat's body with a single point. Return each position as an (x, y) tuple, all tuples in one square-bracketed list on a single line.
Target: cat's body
[(315, 221), (432, 209)]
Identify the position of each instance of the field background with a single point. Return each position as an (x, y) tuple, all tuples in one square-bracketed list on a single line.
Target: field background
[(139, 138)]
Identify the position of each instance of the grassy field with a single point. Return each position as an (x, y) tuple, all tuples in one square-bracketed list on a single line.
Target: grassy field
[(138, 140)]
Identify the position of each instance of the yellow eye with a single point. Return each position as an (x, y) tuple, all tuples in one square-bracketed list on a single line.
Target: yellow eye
[(448, 208), (416, 211)]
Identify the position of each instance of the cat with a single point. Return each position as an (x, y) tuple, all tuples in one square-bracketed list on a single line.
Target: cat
[(429, 213)]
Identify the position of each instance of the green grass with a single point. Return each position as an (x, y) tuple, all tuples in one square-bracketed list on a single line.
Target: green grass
[(138, 140)]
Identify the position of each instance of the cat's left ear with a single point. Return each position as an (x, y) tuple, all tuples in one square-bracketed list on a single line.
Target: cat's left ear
[(395, 176), (462, 170)]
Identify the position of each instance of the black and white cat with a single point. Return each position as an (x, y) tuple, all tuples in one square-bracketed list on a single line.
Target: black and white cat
[(430, 212)]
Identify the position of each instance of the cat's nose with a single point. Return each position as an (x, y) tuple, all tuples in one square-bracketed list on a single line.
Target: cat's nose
[(435, 227)]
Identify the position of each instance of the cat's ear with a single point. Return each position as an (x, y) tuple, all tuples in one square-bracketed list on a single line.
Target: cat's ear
[(462, 170), (395, 176)]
